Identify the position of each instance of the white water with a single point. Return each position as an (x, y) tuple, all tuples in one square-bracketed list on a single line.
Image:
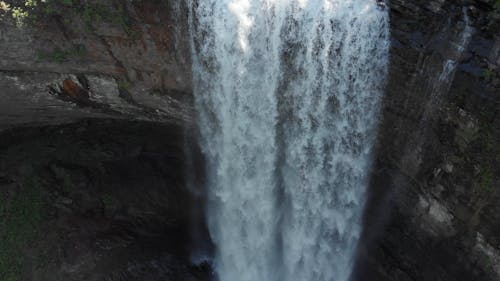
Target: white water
[(457, 51), (288, 94)]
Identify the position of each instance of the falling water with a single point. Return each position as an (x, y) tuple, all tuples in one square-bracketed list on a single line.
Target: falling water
[(288, 93), (456, 53)]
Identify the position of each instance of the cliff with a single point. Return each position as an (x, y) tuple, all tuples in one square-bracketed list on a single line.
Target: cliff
[(132, 57), (433, 205), (95, 113)]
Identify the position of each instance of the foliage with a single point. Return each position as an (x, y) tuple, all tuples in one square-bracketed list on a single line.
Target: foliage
[(99, 13), (5, 7), (29, 11)]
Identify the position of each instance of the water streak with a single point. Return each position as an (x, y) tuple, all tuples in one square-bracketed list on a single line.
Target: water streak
[(456, 53), (288, 94)]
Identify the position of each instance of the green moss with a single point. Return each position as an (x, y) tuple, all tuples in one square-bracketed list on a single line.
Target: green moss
[(486, 180), (124, 84), (157, 92), (21, 215), (489, 74), (101, 13), (487, 141), (65, 184), (108, 200), (60, 56)]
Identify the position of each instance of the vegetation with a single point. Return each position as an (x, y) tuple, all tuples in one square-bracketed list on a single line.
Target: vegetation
[(4, 7), (30, 11), (100, 13), (488, 157), (108, 199), (486, 180), (61, 56), (489, 74), (124, 84), (21, 215), (85, 14)]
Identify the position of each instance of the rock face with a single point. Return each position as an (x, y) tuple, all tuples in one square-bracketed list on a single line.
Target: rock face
[(433, 207), (103, 198), (130, 56), (112, 189), (96, 200)]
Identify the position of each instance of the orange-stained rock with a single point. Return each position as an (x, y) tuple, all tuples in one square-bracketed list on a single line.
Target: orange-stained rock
[(73, 90)]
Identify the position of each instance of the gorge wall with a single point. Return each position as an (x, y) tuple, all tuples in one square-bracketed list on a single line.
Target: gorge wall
[(433, 214), (433, 211), (132, 57)]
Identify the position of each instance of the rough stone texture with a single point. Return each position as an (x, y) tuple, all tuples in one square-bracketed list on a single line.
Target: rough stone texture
[(102, 198), (434, 206), (433, 211), (96, 200), (140, 69)]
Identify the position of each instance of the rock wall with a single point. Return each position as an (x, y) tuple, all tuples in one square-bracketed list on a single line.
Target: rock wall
[(90, 188), (96, 200), (132, 57), (433, 209)]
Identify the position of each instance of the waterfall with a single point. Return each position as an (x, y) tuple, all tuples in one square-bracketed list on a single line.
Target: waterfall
[(288, 94)]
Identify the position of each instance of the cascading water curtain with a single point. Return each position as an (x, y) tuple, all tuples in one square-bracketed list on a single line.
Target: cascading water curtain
[(288, 95)]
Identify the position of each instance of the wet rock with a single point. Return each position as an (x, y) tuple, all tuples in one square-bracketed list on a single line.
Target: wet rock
[(425, 220), (434, 189), (448, 168)]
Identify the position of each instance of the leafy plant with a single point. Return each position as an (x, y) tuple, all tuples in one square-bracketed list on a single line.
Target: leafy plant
[(20, 15)]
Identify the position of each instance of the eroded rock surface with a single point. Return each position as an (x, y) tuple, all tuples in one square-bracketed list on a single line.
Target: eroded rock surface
[(433, 208), (132, 57), (96, 200)]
